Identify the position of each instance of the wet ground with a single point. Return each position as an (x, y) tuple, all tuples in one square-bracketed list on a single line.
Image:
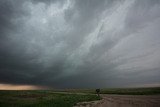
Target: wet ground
[(124, 101)]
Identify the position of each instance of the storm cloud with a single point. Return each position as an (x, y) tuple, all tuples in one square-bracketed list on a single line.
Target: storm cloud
[(80, 43)]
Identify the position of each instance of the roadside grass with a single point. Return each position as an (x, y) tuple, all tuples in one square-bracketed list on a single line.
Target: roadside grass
[(42, 99)]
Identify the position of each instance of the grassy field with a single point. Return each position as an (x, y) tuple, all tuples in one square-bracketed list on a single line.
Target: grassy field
[(63, 98), (121, 91), (132, 91), (42, 99)]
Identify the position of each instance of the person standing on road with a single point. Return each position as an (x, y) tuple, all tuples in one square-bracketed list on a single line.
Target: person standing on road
[(98, 91)]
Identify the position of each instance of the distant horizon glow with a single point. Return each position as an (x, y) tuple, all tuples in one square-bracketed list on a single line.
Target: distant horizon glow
[(20, 87), (34, 87)]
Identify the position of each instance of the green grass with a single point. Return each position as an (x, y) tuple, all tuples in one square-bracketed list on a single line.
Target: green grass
[(42, 99), (132, 91), (64, 98), (121, 91)]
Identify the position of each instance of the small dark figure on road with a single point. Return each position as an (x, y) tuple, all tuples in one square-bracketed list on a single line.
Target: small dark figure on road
[(98, 91)]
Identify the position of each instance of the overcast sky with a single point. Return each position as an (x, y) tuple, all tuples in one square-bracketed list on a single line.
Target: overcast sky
[(80, 43)]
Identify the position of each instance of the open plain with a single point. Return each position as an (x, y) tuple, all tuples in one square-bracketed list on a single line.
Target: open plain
[(124, 101)]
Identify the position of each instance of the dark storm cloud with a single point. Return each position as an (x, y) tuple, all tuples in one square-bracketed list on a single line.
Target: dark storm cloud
[(9, 10), (80, 44), (48, 2)]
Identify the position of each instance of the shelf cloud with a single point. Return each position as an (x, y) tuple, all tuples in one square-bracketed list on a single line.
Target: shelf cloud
[(80, 43)]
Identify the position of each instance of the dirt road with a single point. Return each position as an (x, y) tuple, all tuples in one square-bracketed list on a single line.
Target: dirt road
[(124, 101)]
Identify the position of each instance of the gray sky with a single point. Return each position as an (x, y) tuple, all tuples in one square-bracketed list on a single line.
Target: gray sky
[(80, 43)]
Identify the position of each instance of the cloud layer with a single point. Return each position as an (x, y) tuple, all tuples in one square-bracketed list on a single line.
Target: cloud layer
[(80, 43)]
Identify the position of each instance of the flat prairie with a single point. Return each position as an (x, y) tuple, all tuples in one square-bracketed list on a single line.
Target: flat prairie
[(114, 97)]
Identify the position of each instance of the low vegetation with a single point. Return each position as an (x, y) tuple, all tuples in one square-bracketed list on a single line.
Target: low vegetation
[(42, 99), (132, 91), (121, 91), (64, 98)]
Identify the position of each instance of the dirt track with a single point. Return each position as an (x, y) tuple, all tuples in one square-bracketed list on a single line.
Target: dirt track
[(124, 101)]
